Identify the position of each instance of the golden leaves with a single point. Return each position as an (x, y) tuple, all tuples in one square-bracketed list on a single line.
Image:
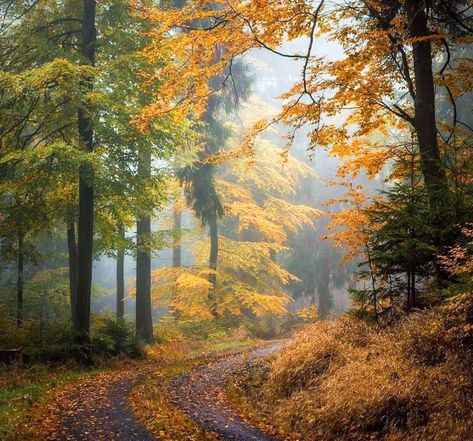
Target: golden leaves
[(351, 224)]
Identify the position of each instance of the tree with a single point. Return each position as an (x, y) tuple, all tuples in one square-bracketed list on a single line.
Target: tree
[(41, 103), (37, 158), (249, 282), (85, 229), (144, 322), (403, 247), (351, 230), (385, 79), (121, 281), (130, 187)]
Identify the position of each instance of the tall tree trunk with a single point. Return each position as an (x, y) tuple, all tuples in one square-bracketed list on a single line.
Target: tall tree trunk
[(72, 253), (325, 300), (213, 257), (176, 242), (20, 280), (409, 289), (425, 123), (176, 253), (144, 320), (120, 284), (81, 316)]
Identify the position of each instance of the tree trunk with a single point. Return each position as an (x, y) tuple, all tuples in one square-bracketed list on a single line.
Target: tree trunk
[(176, 242), (213, 257), (120, 284), (408, 289), (144, 320), (425, 123), (325, 300), (20, 281), (81, 316), (176, 254), (72, 252)]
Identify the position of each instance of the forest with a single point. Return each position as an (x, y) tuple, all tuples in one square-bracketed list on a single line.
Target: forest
[(236, 220)]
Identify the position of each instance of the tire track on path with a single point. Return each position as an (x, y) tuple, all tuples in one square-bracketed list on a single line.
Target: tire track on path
[(197, 393)]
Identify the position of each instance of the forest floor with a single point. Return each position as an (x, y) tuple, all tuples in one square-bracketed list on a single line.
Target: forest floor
[(176, 394), (199, 393)]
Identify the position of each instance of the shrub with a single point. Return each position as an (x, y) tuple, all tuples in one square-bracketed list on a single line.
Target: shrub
[(265, 327), (113, 337), (168, 331), (346, 380)]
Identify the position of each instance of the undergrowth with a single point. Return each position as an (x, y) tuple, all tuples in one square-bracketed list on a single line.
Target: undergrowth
[(25, 394), (347, 380)]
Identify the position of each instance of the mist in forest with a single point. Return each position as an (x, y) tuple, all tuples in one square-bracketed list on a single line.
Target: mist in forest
[(236, 220), (326, 278)]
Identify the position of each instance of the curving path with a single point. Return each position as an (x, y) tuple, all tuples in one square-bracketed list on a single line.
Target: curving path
[(96, 409), (198, 393)]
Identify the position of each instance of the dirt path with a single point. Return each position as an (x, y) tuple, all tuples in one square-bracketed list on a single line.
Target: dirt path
[(197, 394), (96, 409)]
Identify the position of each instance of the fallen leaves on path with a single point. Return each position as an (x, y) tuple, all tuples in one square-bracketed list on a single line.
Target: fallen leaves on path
[(165, 399), (96, 409), (199, 394)]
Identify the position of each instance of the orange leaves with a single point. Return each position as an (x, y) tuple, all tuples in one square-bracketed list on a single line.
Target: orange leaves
[(349, 99), (459, 259), (350, 225), (191, 39)]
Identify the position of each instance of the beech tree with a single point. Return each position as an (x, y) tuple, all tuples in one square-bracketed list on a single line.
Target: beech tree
[(85, 229), (248, 280)]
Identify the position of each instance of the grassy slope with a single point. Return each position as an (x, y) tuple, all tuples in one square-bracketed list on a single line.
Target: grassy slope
[(345, 380), (24, 395)]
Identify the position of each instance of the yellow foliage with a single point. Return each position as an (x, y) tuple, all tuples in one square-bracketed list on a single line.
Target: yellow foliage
[(309, 314), (268, 171), (275, 178), (351, 225)]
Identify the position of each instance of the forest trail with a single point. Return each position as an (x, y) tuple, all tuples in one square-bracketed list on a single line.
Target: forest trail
[(198, 393), (97, 409)]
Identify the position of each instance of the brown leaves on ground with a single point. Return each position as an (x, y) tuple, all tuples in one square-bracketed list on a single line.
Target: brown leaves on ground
[(96, 408), (173, 395), (199, 394), (184, 400)]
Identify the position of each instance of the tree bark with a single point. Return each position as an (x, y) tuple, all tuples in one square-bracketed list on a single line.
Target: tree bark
[(176, 254), (20, 280), (176, 242), (81, 316), (213, 256), (425, 121), (120, 284), (325, 301), (144, 320), (72, 253)]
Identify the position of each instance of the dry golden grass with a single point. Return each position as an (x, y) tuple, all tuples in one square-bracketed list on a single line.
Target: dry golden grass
[(344, 380)]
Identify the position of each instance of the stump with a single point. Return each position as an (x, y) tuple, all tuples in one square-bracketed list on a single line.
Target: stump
[(14, 357)]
